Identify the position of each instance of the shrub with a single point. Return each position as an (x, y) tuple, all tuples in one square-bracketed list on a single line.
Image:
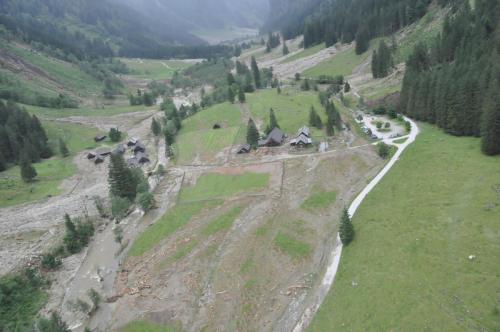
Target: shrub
[(145, 200), (119, 207), (51, 262), (99, 205), (383, 150), (387, 125)]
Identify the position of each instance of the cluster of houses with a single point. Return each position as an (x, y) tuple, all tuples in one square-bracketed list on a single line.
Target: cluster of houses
[(276, 138), (137, 149)]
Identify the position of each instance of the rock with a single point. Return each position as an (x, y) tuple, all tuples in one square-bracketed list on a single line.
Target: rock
[(472, 257)]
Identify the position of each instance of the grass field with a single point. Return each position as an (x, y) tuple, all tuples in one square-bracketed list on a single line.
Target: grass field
[(198, 139), (291, 246), (146, 326), (64, 73), (291, 108), (76, 136), (305, 53), (154, 69), (424, 30), (84, 111), (222, 222), (414, 235), (51, 172), (215, 185), (176, 218), (343, 63), (319, 200)]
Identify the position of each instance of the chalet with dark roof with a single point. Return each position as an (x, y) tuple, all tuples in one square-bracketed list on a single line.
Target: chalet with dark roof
[(302, 139), (275, 138), (139, 147), (132, 141)]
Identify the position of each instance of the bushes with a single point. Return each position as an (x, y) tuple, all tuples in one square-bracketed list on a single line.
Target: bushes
[(21, 297), (115, 135), (119, 207), (78, 234)]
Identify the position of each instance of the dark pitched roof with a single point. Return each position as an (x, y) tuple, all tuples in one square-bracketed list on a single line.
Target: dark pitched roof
[(304, 130), (132, 141), (99, 138), (275, 137), (142, 157), (302, 139), (245, 148), (103, 151), (139, 147)]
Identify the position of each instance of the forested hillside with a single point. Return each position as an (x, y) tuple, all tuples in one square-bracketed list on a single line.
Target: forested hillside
[(90, 29), (454, 82), (192, 14)]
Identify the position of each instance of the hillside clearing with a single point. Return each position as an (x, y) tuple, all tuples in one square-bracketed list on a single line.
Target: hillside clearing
[(411, 257), (154, 69)]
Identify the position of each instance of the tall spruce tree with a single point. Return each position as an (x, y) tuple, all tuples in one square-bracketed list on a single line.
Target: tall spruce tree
[(256, 73), (155, 127), (273, 122), (490, 128), (241, 96), (28, 172), (285, 49), (362, 40), (252, 134), (346, 230), (121, 179), (63, 149), (230, 95)]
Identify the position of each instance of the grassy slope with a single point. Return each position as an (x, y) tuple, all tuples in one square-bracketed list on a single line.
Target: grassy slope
[(61, 75), (67, 112), (291, 108), (167, 225), (197, 138), (51, 172), (414, 234), (305, 53), (215, 185), (343, 63), (154, 69)]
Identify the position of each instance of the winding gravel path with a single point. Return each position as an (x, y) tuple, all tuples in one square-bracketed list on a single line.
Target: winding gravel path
[(336, 253)]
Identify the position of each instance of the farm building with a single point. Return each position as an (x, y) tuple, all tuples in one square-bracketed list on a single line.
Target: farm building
[(139, 147), (99, 159), (132, 141), (245, 148), (142, 158), (103, 152), (302, 139), (91, 155), (100, 138), (275, 138)]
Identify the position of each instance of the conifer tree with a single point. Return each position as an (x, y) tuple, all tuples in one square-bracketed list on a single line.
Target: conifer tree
[(273, 122), (230, 95), (490, 127), (285, 49), (230, 78), (155, 127), (256, 73), (28, 172), (3, 162), (346, 230), (169, 137), (63, 149), (252, 134), (241, 96), (362, 40), (347, 87), (121, 179)]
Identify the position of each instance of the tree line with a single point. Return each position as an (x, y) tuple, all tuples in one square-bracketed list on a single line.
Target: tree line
[(22, 138), (454, 82), (359, 20)]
